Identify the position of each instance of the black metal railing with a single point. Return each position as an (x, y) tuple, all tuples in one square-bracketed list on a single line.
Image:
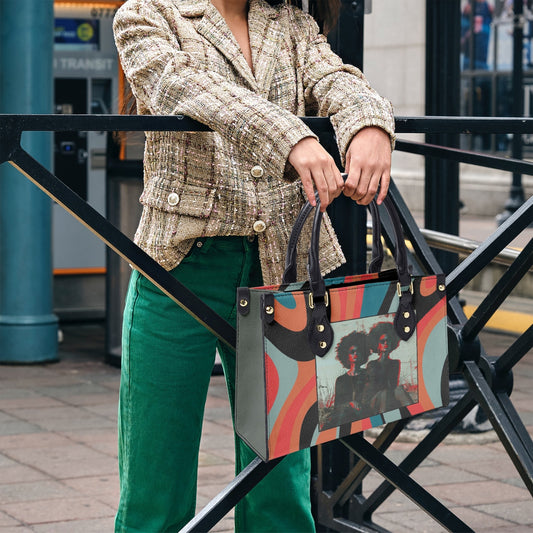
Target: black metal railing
[(339, 502)]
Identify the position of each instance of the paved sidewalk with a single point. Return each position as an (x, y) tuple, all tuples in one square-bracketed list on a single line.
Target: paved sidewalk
[(58, 465), (58, 468)]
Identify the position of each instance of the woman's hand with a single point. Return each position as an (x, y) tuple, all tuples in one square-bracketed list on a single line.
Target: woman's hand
[(368, 164), (316, 169)]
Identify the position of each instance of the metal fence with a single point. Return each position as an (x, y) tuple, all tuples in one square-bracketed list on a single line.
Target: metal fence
[(339, 504)]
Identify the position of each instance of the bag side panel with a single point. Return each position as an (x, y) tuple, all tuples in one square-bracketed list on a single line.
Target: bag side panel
[(250, 408)]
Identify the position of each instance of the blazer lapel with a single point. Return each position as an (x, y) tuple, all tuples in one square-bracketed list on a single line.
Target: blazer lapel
[(213, 27), (265, 41)]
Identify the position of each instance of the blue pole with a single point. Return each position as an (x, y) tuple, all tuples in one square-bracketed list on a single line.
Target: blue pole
[(28, 327)]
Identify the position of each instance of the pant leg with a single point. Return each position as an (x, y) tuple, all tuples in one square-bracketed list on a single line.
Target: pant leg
[(166, 366), (162, 397), (167, 359), (281, 501)]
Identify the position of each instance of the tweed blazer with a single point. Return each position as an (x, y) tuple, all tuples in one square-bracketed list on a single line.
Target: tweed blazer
[(180, 57)]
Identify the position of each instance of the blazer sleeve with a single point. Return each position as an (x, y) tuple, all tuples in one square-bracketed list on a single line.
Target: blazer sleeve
[(339, 90), (169, 81)]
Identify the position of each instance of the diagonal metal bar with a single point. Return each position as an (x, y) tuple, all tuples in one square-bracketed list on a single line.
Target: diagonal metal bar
[(356, 475), (515, 419), (465, 156), (122, 245), (420, 246), (498, 293), (415, 492), (186, 299), (423, 449), (476, 261), (412, 231), (221, 504), (515, 352), (501, 423)]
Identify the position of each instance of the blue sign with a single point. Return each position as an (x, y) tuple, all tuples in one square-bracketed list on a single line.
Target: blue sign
[(76, 34)]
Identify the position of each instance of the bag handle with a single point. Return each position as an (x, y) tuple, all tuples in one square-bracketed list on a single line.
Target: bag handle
[(400, 251), (404, 320), (289, 275)]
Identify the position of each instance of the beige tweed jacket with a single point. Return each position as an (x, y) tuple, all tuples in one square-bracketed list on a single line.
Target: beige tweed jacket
[(180, 57)]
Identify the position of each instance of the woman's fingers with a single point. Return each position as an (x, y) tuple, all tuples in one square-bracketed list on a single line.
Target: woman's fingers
[(364, 183), (368, 162), (384, 187), (317, 171), (307, 183)]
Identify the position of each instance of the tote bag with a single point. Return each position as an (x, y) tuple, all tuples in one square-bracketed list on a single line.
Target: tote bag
[(321, 359)]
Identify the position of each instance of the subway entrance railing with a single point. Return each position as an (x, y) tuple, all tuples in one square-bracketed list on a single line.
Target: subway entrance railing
[(339, 504)]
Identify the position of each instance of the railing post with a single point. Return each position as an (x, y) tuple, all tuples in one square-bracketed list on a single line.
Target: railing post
[(443, 26), (28, 327), (516, 192), (346, 40)]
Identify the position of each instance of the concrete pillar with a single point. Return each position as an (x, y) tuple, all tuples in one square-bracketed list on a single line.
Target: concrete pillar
[(28, 327)]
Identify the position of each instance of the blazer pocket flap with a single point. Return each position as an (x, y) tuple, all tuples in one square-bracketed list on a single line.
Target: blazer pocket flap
[(191, 200)]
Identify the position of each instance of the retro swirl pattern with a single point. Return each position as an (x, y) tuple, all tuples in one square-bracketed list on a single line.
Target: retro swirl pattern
[(290, 370)]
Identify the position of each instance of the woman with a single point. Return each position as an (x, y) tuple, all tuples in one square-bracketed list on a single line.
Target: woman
[(351, 388), (384, 372), (217, 211)]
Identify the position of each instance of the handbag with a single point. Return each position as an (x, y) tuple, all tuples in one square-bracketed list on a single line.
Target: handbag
[(321, 359)]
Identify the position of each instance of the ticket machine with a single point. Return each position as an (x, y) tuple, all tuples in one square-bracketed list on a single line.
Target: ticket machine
[(86, 80)]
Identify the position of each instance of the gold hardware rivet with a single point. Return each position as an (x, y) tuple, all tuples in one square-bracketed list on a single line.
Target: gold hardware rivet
[(406, 314), (269, 310), (407, 329), (320, 328), (243, 303), (322, 344), (442, 287)]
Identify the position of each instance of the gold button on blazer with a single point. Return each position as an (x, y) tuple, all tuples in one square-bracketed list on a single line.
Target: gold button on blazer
[(180, 57)]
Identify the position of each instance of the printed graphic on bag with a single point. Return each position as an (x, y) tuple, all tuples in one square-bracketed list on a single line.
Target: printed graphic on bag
[(287, 396), (370, 371)]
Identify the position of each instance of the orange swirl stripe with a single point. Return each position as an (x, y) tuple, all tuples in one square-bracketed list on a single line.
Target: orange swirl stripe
[(346, 303), (424, 328), (293, 319), (285, 435), (428, 285)]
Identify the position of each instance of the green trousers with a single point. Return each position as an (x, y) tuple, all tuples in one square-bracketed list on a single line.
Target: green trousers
[(167, 359)]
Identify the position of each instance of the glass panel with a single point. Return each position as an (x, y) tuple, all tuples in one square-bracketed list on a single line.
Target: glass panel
[(100, 96), (486, 63), (504, 36), (503, 109), (466, 109), (477, 34)]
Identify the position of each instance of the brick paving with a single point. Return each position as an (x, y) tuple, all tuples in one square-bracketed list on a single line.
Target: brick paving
[(58, 467)]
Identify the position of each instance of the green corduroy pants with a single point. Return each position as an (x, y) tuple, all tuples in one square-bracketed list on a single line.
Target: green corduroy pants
[(167, 359)]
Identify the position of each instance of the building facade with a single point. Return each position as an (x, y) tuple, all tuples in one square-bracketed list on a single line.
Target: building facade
[(394, 62)]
